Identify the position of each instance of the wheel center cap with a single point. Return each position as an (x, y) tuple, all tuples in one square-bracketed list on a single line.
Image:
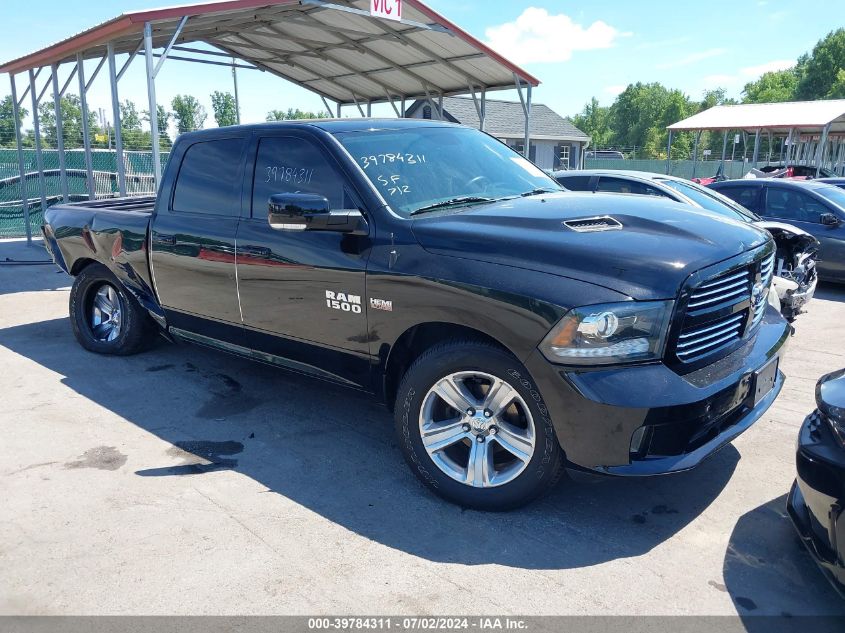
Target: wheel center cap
[(479, 423)]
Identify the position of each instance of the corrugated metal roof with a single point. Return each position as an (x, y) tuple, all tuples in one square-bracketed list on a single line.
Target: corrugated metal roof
[(506, 119), (805, 116), (334, 48)]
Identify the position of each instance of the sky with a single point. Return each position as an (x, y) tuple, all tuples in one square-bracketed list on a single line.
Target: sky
[(577, 49)]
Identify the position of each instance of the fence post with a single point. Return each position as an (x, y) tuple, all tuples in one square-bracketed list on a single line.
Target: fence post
[(39, 158), (60, 141), (24, 193)]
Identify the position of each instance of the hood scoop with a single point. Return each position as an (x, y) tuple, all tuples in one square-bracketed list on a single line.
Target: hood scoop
[(594, 224)]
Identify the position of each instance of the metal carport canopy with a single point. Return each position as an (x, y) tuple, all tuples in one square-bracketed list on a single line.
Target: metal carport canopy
[(807, 117), (336, 49)]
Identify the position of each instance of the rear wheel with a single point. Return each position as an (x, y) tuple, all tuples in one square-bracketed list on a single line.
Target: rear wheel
[(475, 429), (105, 318)]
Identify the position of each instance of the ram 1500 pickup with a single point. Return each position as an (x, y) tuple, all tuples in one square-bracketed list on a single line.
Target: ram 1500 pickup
[(514, 328)]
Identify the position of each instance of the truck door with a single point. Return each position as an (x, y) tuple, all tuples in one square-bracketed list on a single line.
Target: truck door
[(192, 251), (302, 293)]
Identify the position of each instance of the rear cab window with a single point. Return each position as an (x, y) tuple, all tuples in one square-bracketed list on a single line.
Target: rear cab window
[(209, 178)]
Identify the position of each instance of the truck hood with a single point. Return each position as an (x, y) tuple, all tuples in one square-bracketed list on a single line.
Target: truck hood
[(651, 246)]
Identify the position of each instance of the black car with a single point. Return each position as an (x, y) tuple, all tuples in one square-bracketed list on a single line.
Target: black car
[(816, 501), (815, 207)]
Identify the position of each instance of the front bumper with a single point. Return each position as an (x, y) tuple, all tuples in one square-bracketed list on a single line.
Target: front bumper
[(647, 419), (793, 301), (817, 498)]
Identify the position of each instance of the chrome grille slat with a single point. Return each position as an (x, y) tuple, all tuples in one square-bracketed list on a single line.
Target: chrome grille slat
[(716, 282), (736, 319), (710, 346), (737, 294), (707, 328), (742, 283)]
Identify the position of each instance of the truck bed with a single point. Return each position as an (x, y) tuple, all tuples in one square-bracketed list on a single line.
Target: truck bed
[(112, 232)]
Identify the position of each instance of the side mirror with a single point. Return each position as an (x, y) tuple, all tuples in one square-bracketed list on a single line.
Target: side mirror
[(311, 212), (830, 219)]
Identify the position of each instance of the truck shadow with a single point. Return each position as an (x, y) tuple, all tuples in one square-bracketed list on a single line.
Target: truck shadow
[(767, 571), (333, 451)]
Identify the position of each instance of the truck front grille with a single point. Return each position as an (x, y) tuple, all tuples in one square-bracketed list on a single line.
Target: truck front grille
[(722, 310)]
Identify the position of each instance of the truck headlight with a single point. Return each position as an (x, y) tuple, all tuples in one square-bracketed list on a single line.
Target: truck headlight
[(610, 333)]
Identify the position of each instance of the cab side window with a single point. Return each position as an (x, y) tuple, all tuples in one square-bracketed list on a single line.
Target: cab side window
[(620, 185), (797, 206), (575, 183), (293, 165), (209, 179)]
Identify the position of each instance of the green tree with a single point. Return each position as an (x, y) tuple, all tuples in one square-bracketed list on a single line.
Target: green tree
[(7, 122), (594, 120), (821, 69), (640, 114), (837, 90), (188, 112), (290, 115), (224, 108), (772, 87), (130, 120), (71, 108)]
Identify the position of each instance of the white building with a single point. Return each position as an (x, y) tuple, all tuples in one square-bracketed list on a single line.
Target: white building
[(555, 142)]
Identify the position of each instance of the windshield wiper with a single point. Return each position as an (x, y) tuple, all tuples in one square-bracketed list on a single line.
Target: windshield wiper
[(451, 203), (537, 192)]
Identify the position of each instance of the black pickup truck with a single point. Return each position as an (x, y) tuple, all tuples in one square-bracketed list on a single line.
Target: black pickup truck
[(515, 329)]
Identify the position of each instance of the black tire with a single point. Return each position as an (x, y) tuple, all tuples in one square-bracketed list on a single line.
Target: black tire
[(543, 469), (136, 329)]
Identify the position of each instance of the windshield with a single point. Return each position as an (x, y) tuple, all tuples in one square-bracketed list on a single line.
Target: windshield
[(417, 169), (711, 200), (834, 194)]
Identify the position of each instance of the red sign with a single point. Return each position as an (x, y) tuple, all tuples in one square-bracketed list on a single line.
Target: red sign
[(387, 9)]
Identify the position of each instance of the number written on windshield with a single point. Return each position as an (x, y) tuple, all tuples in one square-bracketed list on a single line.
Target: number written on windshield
[(384, 159)]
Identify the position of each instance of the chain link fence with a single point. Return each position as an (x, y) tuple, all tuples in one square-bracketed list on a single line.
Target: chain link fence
[(681, 168), (139, 181)]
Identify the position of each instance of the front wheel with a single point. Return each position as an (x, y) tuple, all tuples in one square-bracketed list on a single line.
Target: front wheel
[(475, 429), (105, 318)]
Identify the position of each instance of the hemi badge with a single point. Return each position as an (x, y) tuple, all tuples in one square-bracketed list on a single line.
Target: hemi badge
[(381, 304)]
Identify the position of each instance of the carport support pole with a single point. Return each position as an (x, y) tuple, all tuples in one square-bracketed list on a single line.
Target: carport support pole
[(237, 99), (118, 133), (86, 133), (756, 154), (724, 151), (695, 152), (528, 121), (39, 157), (483, 109), (151, 94), (820, 152), (669, 154), (24, 194), (60, 141)]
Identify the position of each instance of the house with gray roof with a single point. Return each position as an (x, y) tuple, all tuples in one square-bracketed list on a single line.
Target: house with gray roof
[(555, 142)]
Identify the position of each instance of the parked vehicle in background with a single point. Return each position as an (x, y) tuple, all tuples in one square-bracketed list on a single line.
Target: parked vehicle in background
[(795, 269), (815, 207), (605, 154), (816, 502), (792, 170), (433, 266), (836, 182)]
